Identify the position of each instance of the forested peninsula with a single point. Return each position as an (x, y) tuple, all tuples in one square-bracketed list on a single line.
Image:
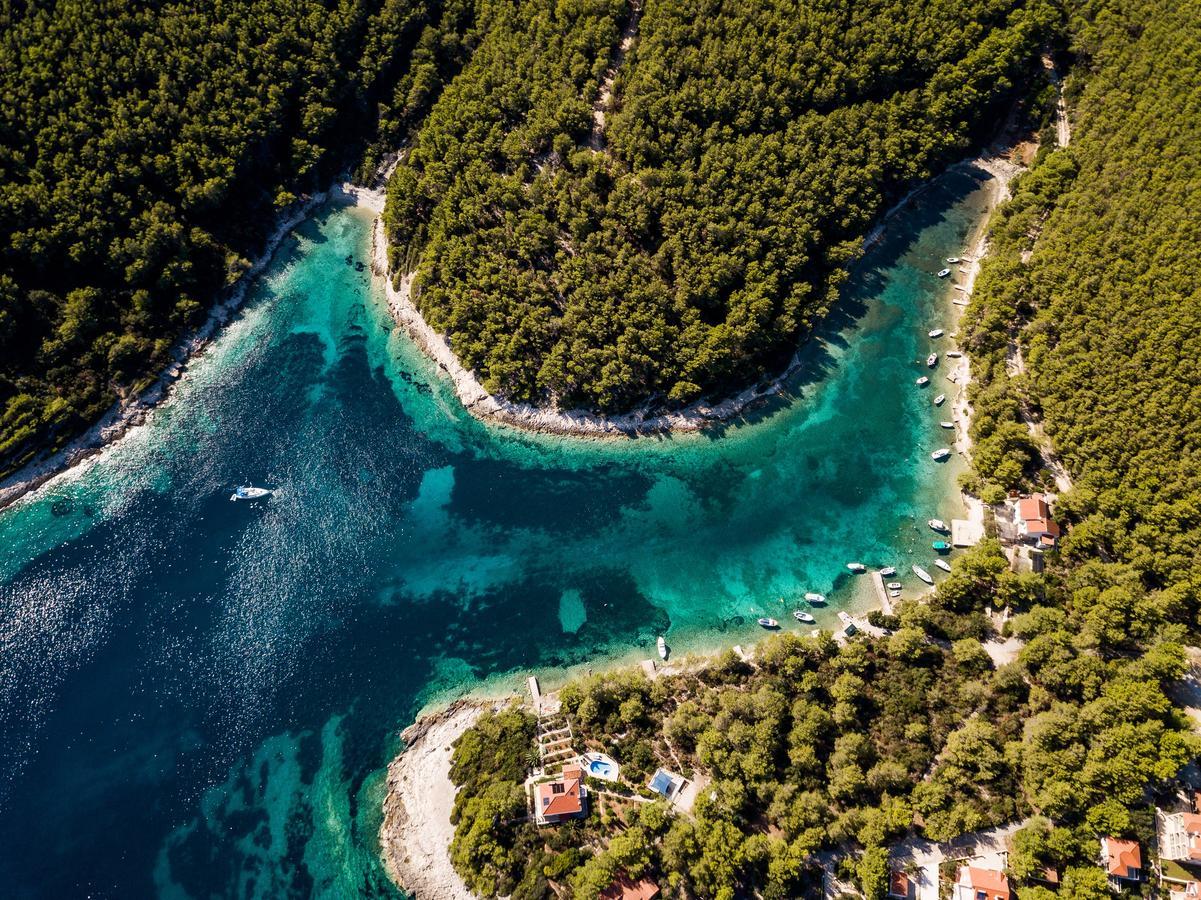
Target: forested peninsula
[(598, 239)]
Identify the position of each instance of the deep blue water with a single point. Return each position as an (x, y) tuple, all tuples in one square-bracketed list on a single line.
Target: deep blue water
[(198, 697)]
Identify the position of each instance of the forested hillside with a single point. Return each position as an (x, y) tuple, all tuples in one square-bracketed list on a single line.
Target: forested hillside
[(1096, 279), (144, 149), (750, 148)]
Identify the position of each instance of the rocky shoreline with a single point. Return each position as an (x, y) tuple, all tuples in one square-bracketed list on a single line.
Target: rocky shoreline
[(643, 421), (416, 832), (132, 411)]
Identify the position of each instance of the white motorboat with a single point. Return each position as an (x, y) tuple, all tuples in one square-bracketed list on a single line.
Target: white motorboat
[(932, 360), (922, 382), (943, 273), (943, 564), (767, 622), (894, 585), (801, 616), (249, 492), (923, 574), (940, 454), (888, 570), (952, 259), (894, 594), (857, 568), (936, 333), (815, 598), (938, 525), (938, 401), (662, 645)]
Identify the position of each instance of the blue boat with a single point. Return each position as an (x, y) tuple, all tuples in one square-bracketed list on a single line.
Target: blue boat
[(941, 546)]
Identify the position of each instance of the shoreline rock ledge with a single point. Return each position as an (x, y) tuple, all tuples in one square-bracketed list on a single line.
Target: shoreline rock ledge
[(416, 832)]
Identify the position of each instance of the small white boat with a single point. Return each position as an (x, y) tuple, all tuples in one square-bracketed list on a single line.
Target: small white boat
[(946, 424), (952, 259), (857, 568), (894, 585), (938, 401), (766, 622), (662, 645), (923, 574), (815, 598), (954, 354), (943, 273), (922, 382), (894, 594), (932, 360), (943, 564), (940, 454), (888, 570), (938, 525), (936, 333), (249, 492), (801, 616)]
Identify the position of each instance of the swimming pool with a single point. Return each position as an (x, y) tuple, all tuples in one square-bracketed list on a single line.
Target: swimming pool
[(600, 765), (600, 768)]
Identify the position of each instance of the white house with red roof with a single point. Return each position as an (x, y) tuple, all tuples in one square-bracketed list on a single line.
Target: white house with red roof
[(564, 798), (974, 883), (1123, 862), (1032, 516), (1179, 836)]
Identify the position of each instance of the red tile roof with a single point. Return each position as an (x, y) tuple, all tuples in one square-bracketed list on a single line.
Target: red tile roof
[(1123, 858), (1192, 825), (625, 889), (561, 797), (994, 883), (1033, 507)]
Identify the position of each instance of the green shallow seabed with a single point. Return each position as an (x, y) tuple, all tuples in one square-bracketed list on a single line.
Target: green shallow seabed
[(197, 697)]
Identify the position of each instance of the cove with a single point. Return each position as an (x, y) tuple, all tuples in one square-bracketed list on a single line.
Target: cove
[(198, 697)]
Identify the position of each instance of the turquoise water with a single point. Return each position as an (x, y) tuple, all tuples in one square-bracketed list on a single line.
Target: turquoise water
[(197, 697)]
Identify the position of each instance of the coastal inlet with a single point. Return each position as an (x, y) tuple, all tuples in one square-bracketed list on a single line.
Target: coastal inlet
[(199, 697)]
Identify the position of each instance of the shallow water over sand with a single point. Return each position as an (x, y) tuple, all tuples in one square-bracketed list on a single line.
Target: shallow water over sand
[(197, 697)]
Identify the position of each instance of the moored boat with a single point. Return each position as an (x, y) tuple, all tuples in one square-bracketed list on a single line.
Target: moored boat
[(938, 401), (943, 564), (932, 360), (936, 333), (943, 273), (954, 354), (249, 492), (662, 645), (857, 568), (894, 585), (952, 259), (894, 594), (815, 598), (938, 525), (801, 616), (940, 454), (888, 570), (922, 382), (923, 574), (766, 622), (941, 546), (945, 424)]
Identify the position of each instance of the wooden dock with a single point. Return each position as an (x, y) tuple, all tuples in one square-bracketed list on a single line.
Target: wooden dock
[(882, 593)]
